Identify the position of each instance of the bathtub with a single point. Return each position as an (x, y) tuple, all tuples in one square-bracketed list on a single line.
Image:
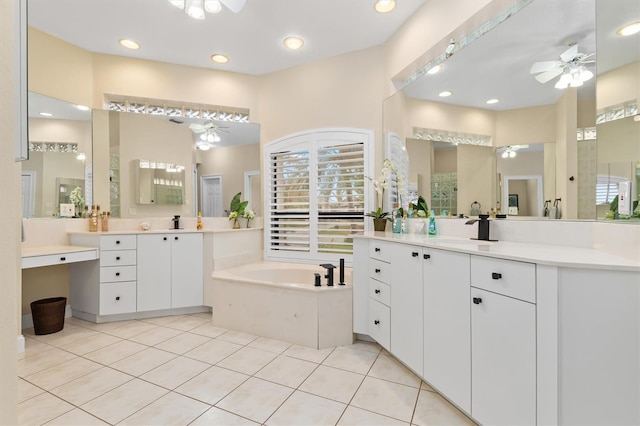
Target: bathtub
[(278, 300)]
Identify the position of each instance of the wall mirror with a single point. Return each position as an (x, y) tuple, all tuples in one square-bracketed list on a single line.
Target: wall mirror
[(59, 157), (493, 97)]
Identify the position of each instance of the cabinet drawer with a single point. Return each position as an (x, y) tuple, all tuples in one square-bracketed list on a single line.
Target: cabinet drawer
[(117, 298), (380, 291), (118, 258), (380, 271), (117, 273), (118, 242), (507, 277), (380, 323), (379, 250)]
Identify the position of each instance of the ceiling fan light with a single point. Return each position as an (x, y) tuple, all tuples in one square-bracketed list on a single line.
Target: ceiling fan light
[(177, 3), (505, 154), (212, 6), (585, 74), (512, 154), (195, 9), (216, 137)]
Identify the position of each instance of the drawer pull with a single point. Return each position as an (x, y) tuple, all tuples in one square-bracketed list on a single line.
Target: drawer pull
[(414, 254), (377, 270), (117, 257), (477, 300), (62, 259), (176, 238), (376, 322), (117, 297), (496, 275), (164, 239), (117, 274), (377, 249), (118, 242), (377, 290), (426, 256)]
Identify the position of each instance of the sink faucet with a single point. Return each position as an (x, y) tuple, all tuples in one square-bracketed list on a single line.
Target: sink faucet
[(483, 227), (329, 267)]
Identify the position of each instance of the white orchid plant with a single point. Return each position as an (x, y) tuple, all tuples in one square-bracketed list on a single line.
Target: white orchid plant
[(76, 197), (249, 214), (382, 182)]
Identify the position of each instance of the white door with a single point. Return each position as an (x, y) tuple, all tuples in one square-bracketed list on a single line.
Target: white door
[(28, 194), (211, 196)]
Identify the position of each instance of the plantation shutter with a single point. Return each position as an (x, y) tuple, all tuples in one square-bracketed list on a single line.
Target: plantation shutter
[(316, 194), (340, 199)]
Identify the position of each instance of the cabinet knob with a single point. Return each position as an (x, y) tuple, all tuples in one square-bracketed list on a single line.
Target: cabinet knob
[(414, 254), (164, 238), (117, 257), (377, 290), (117, 297), (477, 300), (426, 256), (496, 275), (175, 238), (376, 322), (377, 249), (377, 270), (117, 242), (117, 274), (62, 259)]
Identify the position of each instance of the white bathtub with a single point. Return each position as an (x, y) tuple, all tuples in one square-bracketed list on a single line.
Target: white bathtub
[(279, 301)]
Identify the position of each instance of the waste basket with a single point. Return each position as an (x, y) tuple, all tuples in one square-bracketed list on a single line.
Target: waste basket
[(48, 315)]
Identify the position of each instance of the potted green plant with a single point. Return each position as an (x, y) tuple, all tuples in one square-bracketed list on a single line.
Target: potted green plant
[(236, 209), (379, 219)]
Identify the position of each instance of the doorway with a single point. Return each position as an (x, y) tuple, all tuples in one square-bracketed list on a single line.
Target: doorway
[(211, 195), (252, 191), (28, 193)]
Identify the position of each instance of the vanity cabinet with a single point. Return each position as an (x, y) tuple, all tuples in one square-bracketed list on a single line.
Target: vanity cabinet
[(169, 271), (447, 318), (407, 305), (379, 300), (107, 286)]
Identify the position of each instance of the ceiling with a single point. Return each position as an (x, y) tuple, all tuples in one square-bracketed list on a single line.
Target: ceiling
[(252, 39)]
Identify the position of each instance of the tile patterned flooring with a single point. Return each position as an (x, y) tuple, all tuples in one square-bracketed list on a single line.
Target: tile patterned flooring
[(182, 370)]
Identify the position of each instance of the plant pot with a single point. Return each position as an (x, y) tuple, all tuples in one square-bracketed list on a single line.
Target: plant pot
[(379, 224)]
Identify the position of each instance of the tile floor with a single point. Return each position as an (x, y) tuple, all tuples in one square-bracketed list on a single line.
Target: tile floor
[(182, 370)]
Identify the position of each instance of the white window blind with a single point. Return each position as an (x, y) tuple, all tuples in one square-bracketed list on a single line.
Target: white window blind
[(607, 188), (316, 194)]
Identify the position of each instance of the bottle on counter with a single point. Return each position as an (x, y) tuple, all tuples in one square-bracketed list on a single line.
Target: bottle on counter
[(105, 221), (404, 226), (199, 222), (85, 212), (396, 224), (93, 219), (432, 224)]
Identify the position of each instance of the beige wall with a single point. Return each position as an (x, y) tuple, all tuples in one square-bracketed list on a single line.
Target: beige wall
[(567, 154), (230, 163), (618, 86), (477, 169), (523, 126), (10, 258)]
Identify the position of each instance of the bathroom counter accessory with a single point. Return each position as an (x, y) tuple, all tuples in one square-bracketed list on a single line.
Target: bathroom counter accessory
[(33, 257)]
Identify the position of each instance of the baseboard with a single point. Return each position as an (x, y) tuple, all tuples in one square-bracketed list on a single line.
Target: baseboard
[(27, 320), (21, 345)]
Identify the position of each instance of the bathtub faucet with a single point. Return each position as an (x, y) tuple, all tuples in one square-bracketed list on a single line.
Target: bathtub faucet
[(329, 267)]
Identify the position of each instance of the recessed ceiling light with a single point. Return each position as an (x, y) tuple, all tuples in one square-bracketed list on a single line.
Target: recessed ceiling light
[(630, 29), (129, 44), (46, 114), (435, 70), (219, 58), (384, 6), (83, 108), (293, 43), (445, 94), (493, 101)]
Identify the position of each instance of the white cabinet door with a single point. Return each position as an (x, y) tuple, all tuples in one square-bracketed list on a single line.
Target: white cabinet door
[(360, 285), (447, 327), (186, 270), (503, 359), (406, 305), (154, 272)]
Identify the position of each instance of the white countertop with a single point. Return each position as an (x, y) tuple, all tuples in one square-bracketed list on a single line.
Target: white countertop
[(545, 254), (164, 231)]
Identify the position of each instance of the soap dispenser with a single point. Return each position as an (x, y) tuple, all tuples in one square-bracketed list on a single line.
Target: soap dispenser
[(432, 223)]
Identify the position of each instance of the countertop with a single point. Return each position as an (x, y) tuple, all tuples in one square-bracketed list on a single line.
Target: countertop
[(552, 255), (164, 231)]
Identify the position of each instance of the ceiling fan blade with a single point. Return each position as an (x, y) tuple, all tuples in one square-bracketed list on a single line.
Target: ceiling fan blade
[(549, 75), (517, 147), (544, 66), (234, 5), (570, 53)]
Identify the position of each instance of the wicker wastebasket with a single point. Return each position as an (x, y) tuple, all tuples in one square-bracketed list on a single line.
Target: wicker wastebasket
[(48, 315)]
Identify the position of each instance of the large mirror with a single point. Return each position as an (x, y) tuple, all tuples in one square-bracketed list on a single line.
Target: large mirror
[(495, 100), (58, 170)]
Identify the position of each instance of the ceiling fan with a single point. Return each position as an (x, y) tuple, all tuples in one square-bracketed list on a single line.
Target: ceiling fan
[(208, 134), (510, 151), (571, 68), (196, 8)]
